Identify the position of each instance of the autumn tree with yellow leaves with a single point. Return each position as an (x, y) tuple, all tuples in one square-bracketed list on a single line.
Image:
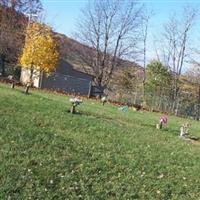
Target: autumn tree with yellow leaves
[(40, 53)]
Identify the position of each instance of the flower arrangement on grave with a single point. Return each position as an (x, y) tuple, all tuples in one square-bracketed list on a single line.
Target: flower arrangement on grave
[(11, 79), (162, 121), (103, 100), (123, 108), (74, 103)]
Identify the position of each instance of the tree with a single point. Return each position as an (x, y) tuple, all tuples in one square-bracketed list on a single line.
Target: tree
[(176, 46), (157, 86), (129, 80), (40, 53), (111, 30), (12, 28), (128, 84), (158, 78), (144, 33), (23, 6), (193, 75)]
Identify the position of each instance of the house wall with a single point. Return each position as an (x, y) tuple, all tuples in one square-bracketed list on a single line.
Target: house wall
[(65, 78), (25, 77), (68, 79), (67, 84)]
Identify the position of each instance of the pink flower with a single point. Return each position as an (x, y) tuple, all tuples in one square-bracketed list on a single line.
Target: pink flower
[(163, 120)]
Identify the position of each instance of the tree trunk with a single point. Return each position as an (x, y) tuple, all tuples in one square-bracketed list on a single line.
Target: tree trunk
[(31, 81), (176, 100), (198, 106), (31, 75)]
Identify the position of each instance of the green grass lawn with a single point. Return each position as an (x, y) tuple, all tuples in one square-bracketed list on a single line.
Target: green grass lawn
[(101, 153)]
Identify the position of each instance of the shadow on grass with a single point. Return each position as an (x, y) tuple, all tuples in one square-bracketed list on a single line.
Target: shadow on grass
[(27, 94), (165, 129), (149, 125), (20, 90), (89, 114), (170, 131)]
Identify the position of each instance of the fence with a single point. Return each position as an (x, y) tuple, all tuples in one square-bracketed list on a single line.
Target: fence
[(185, 107)]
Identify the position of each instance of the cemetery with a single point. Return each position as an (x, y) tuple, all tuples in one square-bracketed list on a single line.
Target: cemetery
[(107, 152), (106, 106)]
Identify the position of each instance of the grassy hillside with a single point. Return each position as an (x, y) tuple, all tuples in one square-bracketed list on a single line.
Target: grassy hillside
[(102, 153)]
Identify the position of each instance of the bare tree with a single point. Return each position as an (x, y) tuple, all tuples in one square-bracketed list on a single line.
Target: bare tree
[(144, 34), (111, 30), (23, 6), (176, 46)]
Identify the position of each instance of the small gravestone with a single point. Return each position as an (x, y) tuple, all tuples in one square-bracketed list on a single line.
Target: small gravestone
[(184, 129)]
